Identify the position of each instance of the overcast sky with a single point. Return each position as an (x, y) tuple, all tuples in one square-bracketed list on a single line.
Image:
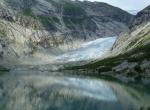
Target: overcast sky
[(127, 4)]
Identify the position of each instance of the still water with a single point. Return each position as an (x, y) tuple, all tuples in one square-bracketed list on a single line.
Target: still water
[(35, 90)]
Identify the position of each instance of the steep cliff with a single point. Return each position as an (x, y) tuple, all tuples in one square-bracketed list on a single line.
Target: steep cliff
[(141, 20), (142, 17)]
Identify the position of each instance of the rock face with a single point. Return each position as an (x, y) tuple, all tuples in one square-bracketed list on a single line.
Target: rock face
[(139, 28), (139, 24), (28, 26), (142, 17)]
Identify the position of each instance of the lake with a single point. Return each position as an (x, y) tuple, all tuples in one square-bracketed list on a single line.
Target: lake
[(36, 90)]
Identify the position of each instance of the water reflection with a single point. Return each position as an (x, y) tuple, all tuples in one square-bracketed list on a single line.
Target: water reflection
[(88, 88), (32, 91)]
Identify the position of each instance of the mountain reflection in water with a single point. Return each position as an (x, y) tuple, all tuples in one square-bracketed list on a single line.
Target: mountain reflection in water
[(35, 90)]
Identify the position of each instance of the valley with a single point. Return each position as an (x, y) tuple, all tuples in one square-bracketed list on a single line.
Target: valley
[(73, 55)]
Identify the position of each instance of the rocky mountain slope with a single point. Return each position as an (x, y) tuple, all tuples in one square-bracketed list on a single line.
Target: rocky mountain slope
[(140, 22), (52, 26), (142, 17), (130, 56)]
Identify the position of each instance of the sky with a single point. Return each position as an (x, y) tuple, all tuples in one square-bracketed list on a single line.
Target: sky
[(127, 4)]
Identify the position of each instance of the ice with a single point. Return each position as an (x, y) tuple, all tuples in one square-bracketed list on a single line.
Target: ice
[(90, 50)]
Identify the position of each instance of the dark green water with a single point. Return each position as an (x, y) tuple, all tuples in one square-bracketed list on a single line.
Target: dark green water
[(35, 90)]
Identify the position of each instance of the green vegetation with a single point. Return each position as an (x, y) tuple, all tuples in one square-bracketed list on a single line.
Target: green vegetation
[(48, 22), (73, 14), (3, 70), (2, 31), (69, 22), (139, 40), (55, 19), (72, 9), (2, 107), (45, 20), (28, 12)]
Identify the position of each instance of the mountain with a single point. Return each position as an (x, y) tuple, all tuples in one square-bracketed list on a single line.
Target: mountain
[(142, 17), (54, 26), (129, 59)]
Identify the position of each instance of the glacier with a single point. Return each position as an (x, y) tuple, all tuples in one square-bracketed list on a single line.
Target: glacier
[(89, 50)]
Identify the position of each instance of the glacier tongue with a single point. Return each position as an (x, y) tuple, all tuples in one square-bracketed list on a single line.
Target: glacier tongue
[(90, 50)]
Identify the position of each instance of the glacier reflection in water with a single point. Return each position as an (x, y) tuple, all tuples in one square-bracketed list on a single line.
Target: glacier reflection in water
[(88, 88)]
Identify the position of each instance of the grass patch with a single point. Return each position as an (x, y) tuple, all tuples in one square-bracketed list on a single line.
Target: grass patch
[(28, 12), (46, 19), (73, 9), (69, 22), (73, 20), (48, 22), (73, 14)]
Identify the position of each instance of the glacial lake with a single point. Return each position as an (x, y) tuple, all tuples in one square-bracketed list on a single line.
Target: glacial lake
[(36, 90)]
